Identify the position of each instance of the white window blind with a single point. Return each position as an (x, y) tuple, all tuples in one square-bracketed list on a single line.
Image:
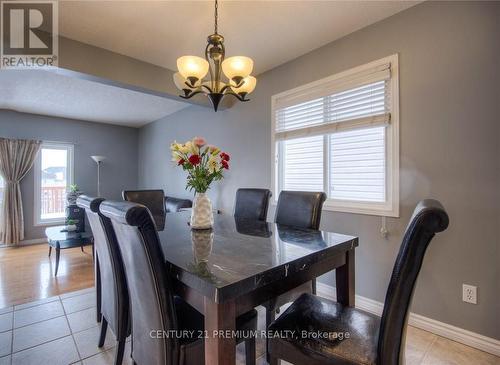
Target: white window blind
[(303, 164), (358, 165), (335, 135)]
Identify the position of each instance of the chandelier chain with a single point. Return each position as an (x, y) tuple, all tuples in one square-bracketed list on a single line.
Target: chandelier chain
[(216, 15)]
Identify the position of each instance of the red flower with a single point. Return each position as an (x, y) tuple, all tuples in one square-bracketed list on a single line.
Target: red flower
[(180, 162), (224, 156), (225, 164), (194, 160)]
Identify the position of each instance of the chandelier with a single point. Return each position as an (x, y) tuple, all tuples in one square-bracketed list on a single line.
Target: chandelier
[(193, 69)]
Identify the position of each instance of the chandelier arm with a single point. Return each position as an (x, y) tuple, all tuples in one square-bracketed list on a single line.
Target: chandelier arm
[(191, 94), (237, 96), (206, 87), (225, 88)]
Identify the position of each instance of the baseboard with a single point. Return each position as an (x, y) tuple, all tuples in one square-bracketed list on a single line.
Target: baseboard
[(454, 333), (35, 241)]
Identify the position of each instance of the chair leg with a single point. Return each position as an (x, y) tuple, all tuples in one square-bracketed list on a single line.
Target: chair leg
[(120, 349), (313, 282), (250, 351), (270, 317), (102, 336)]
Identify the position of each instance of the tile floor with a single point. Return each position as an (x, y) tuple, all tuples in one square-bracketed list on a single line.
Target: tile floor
[(62, 330)]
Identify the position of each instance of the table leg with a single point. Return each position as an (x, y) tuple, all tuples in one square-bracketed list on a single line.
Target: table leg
[(270, 317), (344, 277), (50, 250), (58, 253), (220, 349)]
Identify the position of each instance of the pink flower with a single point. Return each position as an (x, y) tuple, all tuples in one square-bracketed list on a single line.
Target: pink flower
[(199, 141)]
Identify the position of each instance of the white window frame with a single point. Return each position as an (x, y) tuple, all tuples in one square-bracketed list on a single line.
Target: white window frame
[(390, 208), (38, 181)]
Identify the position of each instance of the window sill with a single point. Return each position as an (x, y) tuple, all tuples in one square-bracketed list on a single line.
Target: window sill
[(60, 222), (358, 209)]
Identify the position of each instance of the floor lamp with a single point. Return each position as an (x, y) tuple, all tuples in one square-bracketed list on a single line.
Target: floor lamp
[(98, 160)]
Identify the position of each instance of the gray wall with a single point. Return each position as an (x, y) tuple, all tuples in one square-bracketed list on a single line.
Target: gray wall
[(449, 79), (118, 144)]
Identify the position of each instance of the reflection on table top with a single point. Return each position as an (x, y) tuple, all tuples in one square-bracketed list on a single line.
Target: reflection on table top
[(240, 255)]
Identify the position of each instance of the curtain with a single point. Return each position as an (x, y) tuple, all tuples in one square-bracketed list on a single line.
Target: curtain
[(16, 159)]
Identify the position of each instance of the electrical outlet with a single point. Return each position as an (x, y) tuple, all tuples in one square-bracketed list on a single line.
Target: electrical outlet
[(469, 293)]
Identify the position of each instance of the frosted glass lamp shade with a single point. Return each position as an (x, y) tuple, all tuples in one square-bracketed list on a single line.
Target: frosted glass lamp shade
[(247, 86), (192, 67), (180, 82), (98, 159), (237, 67)]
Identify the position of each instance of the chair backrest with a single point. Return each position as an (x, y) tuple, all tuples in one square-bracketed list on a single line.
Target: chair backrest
[(301, 209), (429, 218), (148, 282), (173, 205), (252, 203), (114, 292), (154, 200)]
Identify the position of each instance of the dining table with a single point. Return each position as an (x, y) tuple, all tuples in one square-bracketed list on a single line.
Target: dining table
[(239, 264)]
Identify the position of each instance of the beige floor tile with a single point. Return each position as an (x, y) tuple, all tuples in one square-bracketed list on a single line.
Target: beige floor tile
[(36, 302), (58, 352), (108, 357), (38, 333), (77, 293), (80, 302), (82, 320), (38, 313), (260, 361), (418, 343), (5, 360), (86, 342), (5, 343), (6, 322), (6, 310), (446, 352)]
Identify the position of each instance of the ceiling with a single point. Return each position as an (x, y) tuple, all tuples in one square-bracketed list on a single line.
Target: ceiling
[(158, 32), (48, 93), (270, 32)]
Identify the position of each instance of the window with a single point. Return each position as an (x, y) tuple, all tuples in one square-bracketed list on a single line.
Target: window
[(53, 176), (340, 135)]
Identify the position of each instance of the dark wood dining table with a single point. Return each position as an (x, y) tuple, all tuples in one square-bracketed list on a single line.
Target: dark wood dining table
[(240, 264)]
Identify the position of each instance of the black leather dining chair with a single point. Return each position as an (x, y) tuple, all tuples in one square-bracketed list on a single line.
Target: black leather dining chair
[(154, 200), (373, 340), (154, 307), (113, 285), (252, 203), (173, 205), (298, 209)]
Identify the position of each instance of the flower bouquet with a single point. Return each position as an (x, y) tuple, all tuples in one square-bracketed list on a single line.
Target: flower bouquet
[(204, 164)]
